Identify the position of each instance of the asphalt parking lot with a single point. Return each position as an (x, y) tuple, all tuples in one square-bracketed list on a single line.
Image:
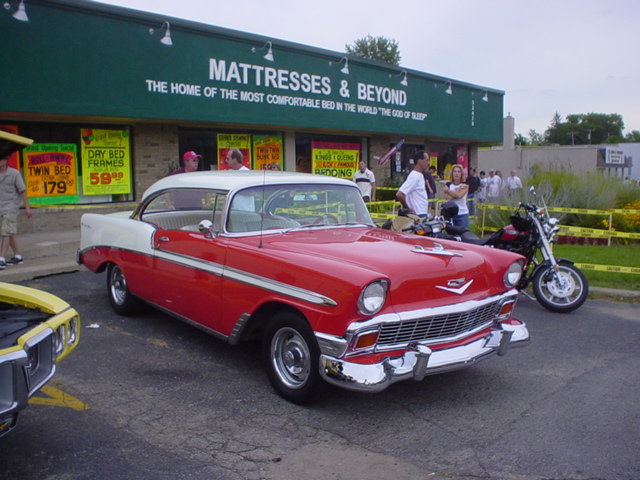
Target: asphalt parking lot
[(152, 398)]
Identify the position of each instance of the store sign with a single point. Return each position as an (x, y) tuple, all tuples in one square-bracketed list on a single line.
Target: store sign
[(335, 159), (106, 163), (210, 74), (51, 173), (462, 157), (232, 141), (615, 157), (267, 152)]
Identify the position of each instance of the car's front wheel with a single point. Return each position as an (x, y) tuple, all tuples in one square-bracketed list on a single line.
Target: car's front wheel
[(291, 356), (121, 299)]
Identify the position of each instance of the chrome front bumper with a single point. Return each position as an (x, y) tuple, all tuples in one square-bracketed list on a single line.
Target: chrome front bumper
[(420, 360)]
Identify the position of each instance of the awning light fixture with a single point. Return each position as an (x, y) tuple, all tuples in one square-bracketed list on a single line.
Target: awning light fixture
[(344, 69), (20, 13), (267, 56), (166, 40)]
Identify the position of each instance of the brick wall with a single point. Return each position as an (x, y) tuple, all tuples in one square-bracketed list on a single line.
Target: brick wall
[(155, 149)]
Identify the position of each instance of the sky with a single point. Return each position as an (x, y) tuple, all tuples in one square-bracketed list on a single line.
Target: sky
[(548, 56)]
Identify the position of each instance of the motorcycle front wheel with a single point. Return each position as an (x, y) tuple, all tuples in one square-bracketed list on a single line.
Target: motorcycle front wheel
[(563, 291)]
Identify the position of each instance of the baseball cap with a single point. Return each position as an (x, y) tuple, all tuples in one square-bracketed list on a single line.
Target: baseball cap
[(188, 155), (492, 170)]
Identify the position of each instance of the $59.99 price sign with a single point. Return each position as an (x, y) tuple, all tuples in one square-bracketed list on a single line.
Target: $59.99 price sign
[(106, 164)]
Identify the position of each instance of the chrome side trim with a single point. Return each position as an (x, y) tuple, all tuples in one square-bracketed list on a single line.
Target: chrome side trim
[(199, 326), (238, 328), (190, 262), (247, 278), (278, 287), (220, 270)]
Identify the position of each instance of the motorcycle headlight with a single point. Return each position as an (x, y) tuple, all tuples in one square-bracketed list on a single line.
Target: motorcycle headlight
[(513, 274), (372, 297)]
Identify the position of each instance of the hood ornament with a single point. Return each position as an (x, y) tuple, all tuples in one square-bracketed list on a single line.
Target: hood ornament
[(437, 249), (456, 286)]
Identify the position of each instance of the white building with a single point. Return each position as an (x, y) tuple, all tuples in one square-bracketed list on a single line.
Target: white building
[(611, 159)]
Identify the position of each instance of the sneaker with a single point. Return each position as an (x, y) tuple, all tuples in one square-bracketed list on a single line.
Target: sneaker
[(15, 261), (2, 264)]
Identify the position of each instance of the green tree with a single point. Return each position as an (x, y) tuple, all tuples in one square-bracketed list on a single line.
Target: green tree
[(632, 137), (535, 138), (521, 140), (585, 129), (380, 48)]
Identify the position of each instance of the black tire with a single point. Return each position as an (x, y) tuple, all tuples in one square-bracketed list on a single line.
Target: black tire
[(121, 299), (291, 355), (553, 296)]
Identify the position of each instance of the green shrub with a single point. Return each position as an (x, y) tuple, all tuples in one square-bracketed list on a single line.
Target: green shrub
[(561, 188)]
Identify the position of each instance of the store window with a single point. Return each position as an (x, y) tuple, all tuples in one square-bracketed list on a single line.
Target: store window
[(333, 155), (445, 155), (79, 163), (255, 150)]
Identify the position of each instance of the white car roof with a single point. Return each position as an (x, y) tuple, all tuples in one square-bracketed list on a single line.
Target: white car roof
[(231, 180)]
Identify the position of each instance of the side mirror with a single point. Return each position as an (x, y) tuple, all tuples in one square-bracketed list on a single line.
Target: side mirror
[(206, 228)]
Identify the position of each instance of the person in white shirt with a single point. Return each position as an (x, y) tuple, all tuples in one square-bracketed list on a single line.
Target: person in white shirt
[(366, 181), (234, 159), (457, 191), (513, 182), (493, 185), (481, 195), (413, 192)]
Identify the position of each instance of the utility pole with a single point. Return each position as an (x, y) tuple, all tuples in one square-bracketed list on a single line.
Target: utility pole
[(589, 136)]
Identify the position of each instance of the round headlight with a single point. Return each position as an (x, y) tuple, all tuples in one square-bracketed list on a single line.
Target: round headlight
[(372, 297), (513, 274), (58, 340)]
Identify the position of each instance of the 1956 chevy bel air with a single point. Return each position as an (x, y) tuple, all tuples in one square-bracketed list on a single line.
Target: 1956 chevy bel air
[(295, 260)]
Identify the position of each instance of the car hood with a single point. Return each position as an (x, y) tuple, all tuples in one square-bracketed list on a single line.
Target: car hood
[(418, 268)]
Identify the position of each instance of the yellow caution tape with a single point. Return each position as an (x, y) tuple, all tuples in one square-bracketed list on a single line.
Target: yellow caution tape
[(608, 268)]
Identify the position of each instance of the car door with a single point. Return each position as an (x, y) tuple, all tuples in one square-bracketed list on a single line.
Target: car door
[(188, 264)]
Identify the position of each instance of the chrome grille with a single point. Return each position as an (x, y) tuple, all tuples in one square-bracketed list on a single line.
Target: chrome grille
[(437, 327)]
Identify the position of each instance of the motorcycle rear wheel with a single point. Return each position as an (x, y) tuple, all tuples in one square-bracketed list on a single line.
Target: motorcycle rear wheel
[(559, 297)]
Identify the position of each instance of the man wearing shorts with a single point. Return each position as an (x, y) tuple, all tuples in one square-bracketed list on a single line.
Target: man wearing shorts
[(12, 193)]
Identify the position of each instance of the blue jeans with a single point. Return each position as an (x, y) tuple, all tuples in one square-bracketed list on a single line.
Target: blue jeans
[(471, 203), (461, 220)]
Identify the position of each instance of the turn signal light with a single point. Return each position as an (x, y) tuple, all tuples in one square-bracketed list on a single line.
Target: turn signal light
[(506, 309), (366, 340)]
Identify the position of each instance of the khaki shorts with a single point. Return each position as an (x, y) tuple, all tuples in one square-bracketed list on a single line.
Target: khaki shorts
[(9, 226)]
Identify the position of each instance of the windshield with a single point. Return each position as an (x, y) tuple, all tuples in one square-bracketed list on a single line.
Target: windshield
[(290, 206)]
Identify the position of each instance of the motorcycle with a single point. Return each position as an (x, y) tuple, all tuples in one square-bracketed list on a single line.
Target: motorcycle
[(557, 283)]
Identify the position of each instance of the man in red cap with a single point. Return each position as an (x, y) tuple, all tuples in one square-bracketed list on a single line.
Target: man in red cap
[(188, 164)]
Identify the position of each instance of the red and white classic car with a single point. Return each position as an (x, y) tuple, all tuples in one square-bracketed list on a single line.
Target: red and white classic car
[(295, 260)]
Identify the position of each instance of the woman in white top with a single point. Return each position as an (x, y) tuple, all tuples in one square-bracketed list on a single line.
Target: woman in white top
[(457, 191)]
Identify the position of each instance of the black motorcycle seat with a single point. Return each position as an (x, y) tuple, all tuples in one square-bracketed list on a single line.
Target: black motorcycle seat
[(466, 235)]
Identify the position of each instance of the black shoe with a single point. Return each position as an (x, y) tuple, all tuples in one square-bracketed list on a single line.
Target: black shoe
[(14, 261)]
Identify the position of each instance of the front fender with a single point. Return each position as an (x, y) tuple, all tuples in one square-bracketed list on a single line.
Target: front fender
[(545, 265)]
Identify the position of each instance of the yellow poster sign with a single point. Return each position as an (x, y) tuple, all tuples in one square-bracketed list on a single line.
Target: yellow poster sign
[(238, 144), (50, 173), (335, 159), (106, 162), (267, 152)]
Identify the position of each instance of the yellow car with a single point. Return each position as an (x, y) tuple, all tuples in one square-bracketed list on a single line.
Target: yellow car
[(37, 330)]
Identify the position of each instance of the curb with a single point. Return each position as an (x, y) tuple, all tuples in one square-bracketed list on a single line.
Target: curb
[(614, 292)]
